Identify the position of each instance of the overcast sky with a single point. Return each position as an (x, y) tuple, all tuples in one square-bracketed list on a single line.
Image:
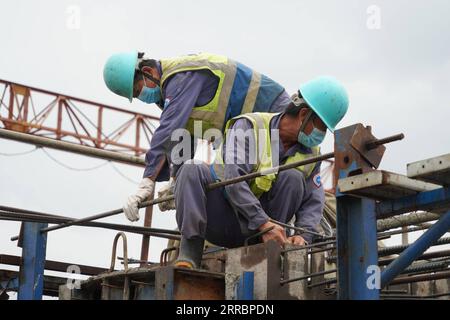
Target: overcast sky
[(396, 70)]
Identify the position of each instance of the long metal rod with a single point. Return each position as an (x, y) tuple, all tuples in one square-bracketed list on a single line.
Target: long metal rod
[(427, 266), (401, 280), (426, 256), (373, 144), (398, 249), (313, 245), (423, 277), (72, 147), (406, 220), (210, 187), (416, 249), (14, 212), (215, 185), (15, 216), (287, 226), (402, 231), (311, 275)]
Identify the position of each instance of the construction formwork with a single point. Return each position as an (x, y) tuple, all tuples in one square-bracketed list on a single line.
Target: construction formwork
[(347, 265)]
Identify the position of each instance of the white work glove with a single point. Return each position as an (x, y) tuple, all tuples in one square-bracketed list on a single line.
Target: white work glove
[(144, 191), (166, 191)]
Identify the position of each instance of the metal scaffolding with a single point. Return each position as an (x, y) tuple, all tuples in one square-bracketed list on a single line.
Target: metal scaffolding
[(364, 197)]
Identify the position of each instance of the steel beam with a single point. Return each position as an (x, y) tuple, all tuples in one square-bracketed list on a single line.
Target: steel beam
[(438, 199), (357, 247), (31, 279), (72, 147)]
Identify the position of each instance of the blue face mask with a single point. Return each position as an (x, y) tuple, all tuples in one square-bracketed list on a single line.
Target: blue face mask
[(313, 139), (150, 95)]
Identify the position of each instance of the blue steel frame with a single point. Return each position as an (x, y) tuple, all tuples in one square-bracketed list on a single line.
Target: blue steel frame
[(356, 231), (31, 275), (357, 234)]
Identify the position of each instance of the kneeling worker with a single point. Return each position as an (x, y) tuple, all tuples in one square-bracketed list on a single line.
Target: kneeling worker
[(227, 216)]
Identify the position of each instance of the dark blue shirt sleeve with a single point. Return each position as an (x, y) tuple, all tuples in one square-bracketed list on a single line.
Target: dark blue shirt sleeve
[(180, 95)]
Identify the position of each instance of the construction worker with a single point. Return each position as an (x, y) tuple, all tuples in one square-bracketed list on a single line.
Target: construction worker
[(227, 216), (206, 88)]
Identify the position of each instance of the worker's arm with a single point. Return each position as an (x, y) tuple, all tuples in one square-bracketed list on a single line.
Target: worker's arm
[(180, 93), (236, 164), (311, 209)]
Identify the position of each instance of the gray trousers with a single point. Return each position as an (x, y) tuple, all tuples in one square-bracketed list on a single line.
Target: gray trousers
[(209, 215)]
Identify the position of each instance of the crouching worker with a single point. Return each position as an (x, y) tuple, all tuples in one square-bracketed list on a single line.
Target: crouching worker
[(256, 142)]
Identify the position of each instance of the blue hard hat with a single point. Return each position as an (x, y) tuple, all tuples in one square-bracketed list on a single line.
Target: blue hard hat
[(327, 98), (118, 73)]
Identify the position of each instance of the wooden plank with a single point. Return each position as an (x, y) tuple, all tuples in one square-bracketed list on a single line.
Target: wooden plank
[(435, 170), (383, 185)]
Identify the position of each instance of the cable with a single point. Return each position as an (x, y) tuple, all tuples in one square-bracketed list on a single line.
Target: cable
[(123, 175), (18, 153), (72, 168)]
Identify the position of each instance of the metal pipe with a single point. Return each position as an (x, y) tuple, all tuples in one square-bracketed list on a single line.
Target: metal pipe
[(72, 147), (214, 185), (416, 249)]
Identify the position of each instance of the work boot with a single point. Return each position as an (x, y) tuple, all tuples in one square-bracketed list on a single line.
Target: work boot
[(191, 252)]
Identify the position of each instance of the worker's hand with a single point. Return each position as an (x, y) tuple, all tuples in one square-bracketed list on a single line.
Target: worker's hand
[(144, 191), (166, 191), (298, 240), (277, 233)]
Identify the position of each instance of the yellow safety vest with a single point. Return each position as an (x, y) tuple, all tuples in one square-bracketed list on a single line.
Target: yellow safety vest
[(261, 123), (240, 89)]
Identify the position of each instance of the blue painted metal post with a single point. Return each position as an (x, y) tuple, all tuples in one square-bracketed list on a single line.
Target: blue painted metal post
[(244, 289), (416, 249), (357, 248), (356, 226), (31, 278)]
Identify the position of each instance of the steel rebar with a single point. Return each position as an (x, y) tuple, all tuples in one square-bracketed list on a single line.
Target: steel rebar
[(250, 176), (16, 215), (311, 275)]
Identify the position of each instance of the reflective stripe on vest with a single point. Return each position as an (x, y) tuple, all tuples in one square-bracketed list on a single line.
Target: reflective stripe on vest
[(261, 130), (240, 89)]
